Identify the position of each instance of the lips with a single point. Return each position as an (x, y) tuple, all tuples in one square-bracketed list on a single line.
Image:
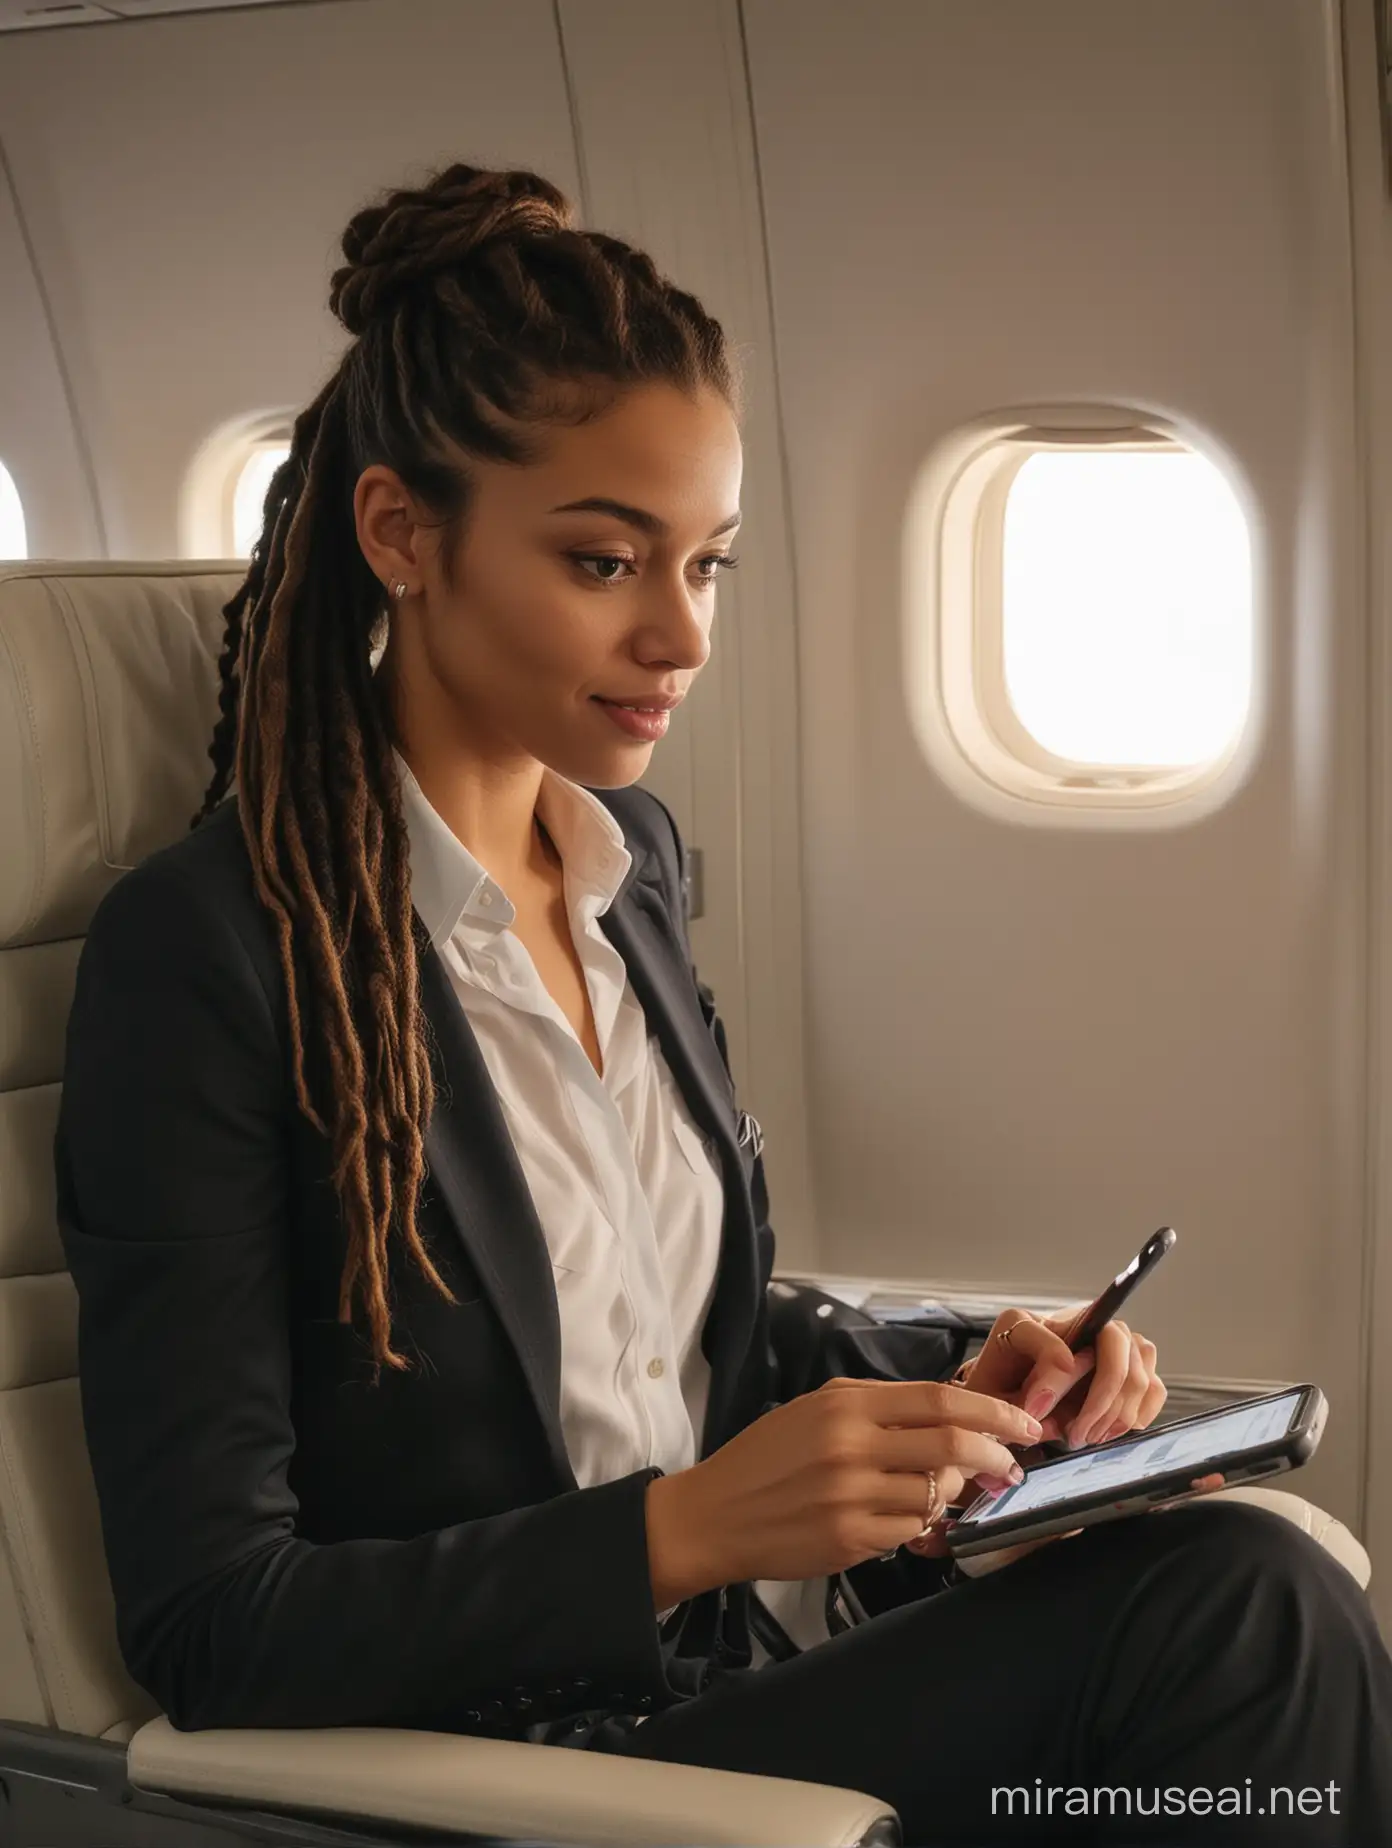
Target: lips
[(650, 725), (645, 702)]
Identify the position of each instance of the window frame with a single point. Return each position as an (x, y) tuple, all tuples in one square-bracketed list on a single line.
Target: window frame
[(955, 632), (16, 558), (210, 483)]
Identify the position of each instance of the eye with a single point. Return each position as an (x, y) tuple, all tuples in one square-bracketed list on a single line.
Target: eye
[(721, 561), (601, 558)]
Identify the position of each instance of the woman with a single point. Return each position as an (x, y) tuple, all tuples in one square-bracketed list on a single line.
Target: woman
[(427, 1369)]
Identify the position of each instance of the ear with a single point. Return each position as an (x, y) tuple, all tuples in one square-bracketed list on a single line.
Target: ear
[(389, 527)]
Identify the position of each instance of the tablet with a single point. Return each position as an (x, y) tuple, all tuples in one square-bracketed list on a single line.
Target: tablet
[(1258, 1437)]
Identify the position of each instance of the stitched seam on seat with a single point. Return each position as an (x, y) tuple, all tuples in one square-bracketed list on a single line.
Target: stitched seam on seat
[(96, 748), (21, 1597), (27, 711)]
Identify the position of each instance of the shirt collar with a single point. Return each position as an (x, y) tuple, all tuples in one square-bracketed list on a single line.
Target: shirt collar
[(448, 883)]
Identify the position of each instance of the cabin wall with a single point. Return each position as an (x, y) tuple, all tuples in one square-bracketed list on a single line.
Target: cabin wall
[(1029, 1047), (981, 1053), (1370, 162)]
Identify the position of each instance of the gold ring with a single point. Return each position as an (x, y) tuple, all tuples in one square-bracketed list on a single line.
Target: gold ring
[(937, 1505), (1004, 1334)]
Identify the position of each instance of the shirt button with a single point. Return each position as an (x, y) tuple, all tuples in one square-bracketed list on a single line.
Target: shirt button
[(485, 898), (655, 1369)]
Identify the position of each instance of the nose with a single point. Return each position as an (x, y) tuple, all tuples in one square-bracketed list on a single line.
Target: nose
[(676, 629)]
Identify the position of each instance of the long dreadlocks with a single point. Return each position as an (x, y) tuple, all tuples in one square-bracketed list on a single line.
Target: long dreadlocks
[(479, 313)]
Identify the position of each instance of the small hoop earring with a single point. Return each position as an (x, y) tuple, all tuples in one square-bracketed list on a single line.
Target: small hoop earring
[(398, 590)]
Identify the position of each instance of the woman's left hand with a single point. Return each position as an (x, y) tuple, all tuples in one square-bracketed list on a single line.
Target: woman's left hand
[(1087, 1398)]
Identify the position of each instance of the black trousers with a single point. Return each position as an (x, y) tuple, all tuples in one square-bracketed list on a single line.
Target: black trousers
[(1209, 1674)]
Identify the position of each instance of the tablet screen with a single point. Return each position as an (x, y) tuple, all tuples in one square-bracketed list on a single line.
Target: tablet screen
[(1132, 1460)]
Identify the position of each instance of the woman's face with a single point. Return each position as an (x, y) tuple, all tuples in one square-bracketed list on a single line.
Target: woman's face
[(551, 611)]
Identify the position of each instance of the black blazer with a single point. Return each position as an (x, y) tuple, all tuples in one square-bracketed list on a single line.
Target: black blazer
[(288, 1545)]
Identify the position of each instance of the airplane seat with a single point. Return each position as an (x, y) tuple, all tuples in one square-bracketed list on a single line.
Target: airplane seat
[(107, 699)]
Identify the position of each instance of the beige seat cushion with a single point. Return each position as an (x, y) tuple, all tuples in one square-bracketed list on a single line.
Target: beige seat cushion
[(107, 699)]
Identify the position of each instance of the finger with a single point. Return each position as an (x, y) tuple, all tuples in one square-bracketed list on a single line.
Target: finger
[(918, 1404), (992, 1485), (1201, 1485), (1051, 1369), (924, 1499), (1152, 1405), (1071, 1403), (949, 1484), (1109, 1376), (1125, 1413), (891, 1531), (1152, 1393), (1003, 1361), (945, 1447)]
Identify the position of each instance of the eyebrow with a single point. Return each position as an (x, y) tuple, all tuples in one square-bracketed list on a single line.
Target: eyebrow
[(649, 523)]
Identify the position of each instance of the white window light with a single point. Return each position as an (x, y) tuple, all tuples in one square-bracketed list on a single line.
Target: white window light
[(249, 494), (1081, 644), (14, 541), (225, 485)]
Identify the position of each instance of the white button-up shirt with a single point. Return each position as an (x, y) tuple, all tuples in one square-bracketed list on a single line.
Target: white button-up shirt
[(629, 1197)]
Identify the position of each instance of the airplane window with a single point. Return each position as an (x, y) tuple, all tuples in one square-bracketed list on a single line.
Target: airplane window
[(249, 495), (1126, 607), (1081, 645), (14, 541)]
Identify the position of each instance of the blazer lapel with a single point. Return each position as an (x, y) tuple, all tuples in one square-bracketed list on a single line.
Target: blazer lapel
[(639, 926), (482, 1185), (472, 1161)]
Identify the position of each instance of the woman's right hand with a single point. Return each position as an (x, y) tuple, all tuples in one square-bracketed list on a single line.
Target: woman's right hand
[(825, 1481)]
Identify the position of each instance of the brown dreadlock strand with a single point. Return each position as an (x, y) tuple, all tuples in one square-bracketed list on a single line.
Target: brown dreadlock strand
[(478, 310)]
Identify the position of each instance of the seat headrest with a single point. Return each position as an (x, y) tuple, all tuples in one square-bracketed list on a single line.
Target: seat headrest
[(108, 696)]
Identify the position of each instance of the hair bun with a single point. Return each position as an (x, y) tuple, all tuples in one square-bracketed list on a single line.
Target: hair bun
[(418, 233)]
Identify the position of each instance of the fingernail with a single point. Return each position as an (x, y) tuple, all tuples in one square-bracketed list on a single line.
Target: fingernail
[(992, 1485), (1041, 1401), (1033, 1428), (1016, 1473), (1076, 1439)]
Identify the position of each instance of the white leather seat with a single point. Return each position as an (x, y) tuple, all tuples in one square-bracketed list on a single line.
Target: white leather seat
[(107, 700), (107, 697)]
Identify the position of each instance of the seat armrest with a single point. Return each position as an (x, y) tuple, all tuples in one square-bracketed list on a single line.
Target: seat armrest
[(1331, 1534), (502, 1788)]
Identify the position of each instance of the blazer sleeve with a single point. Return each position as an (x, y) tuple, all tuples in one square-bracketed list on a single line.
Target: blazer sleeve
[(173, 1175), (814, 1337)]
